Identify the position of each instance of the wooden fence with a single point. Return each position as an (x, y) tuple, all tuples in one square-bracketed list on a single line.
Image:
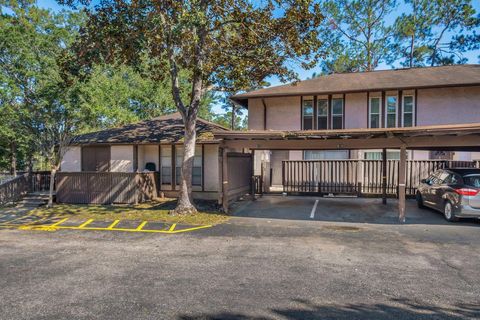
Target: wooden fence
[(106, 187), (239, 174), (358, 176), (14, 189)]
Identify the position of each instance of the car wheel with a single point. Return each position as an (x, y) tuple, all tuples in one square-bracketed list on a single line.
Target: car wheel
[(448, 212), (420, 200)]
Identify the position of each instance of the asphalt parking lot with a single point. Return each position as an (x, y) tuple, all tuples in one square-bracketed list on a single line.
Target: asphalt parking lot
[(248, 268)]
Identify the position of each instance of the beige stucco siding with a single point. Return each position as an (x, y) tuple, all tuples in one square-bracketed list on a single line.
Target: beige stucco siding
[(72, 160), (255, 114), (356, 110), (121, 159), (146, 154), (211, 167), (448, 106)]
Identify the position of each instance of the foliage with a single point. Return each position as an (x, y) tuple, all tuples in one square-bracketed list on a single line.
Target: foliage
[(226, 45)]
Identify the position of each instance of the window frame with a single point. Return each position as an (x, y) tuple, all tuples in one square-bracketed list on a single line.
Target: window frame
[(178, 168), (169, 162), (333, 115), (379, 111), (318, 114), (387, 113), (413, 109), (303, 113)]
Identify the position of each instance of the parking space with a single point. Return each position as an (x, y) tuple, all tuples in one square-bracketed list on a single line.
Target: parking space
[(30, 221), (336, 209)]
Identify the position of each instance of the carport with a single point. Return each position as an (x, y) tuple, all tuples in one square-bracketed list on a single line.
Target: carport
[(463, 137)]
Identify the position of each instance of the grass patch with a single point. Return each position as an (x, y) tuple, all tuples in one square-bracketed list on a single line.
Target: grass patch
[(149, 211)]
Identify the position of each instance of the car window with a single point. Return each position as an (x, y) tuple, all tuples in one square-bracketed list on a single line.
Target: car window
[(472, 181), (442, 177), (452, 179)]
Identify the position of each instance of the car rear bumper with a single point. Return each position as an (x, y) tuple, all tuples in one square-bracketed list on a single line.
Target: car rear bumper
[(468, 212)]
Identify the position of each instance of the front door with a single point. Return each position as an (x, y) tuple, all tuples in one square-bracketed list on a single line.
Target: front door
[(276, 159)]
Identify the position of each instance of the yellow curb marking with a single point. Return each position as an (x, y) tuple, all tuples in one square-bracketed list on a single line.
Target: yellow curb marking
[(86, 223), (113, 224), (58, 223), (172, 227), (140, 227)]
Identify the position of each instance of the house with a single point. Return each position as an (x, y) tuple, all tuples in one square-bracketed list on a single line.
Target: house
[(110, 166), (414, 97)]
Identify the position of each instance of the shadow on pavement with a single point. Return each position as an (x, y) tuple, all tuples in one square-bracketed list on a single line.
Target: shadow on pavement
[(399, 309)]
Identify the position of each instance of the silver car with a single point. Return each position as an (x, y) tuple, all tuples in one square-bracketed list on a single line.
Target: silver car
[(454, 192)]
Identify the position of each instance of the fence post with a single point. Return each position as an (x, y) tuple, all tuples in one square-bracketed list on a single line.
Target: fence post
[(384, 176)]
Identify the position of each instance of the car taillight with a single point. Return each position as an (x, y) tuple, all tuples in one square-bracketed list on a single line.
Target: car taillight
[(467, 191)]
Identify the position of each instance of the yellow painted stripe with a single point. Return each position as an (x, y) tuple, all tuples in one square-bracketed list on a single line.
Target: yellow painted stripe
[(57, 223), (49, 227), (86, 223), (172, 227), (140, 227), (113, 224)]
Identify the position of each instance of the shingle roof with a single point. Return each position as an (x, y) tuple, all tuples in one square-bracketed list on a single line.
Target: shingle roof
[(164, 129), (411, 78)]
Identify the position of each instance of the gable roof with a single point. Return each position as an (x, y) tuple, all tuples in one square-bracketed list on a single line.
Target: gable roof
[(165, 129), (410, 78)]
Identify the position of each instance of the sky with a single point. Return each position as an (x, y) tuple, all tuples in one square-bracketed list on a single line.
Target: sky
[(472, 56)]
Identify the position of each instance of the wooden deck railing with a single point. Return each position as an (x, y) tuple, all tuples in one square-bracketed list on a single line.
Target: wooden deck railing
[(358, 176), (14, 189), (105, 187)]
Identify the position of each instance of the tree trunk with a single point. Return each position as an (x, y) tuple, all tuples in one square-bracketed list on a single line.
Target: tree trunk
[(184, 205), (13, 158), (53, 173), (233, 116)]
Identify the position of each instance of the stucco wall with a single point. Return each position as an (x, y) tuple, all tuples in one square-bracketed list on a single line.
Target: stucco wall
[(356, 110), (72, 160), (255, 114), (147, 153), (121, 159), (211, 168), (448, 105)]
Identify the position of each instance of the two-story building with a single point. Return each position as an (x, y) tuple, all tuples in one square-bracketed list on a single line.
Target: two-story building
[(378, 99)]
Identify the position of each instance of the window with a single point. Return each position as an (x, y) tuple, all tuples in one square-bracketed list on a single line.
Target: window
[(326, 155), (408, 111), (375, 112), (166, 164), (307, 115), (96, 159), (391, 114), (337, 113), (197, 165), (377, 155), (322, 111)]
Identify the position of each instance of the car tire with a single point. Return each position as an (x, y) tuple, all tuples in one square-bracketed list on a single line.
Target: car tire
[(448, 212), (420, 200)]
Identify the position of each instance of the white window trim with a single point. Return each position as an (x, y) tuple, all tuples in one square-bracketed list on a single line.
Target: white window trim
[(386, 110), (318, 113), (303, 113), (370, 111), (413, 109), (333, 115)]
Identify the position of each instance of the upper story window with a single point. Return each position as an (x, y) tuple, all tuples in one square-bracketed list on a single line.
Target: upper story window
[(337, 113), (375, 112), (408, 119), (307, 115), (391, 112), (322, 114)]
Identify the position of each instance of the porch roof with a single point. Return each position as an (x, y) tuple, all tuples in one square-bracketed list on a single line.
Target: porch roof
[(438, 137), (165, 129)]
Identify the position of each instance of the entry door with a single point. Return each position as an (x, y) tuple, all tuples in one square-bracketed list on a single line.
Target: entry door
[(276, 159)]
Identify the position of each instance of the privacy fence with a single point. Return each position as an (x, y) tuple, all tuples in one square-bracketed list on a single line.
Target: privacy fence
[(358, 177)]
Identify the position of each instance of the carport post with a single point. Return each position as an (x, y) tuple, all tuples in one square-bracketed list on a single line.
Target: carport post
[(384, 176), (225, 180), (402, 173)]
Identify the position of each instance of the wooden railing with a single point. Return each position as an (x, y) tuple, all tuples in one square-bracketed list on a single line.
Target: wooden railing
[(105, 187), (358, 176), (14, 189)]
